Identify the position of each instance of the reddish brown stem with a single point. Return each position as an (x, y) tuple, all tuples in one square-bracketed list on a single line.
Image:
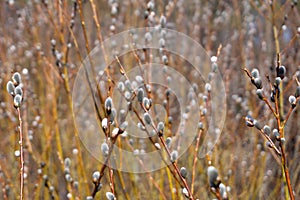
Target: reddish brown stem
[(21, 155), (195, 160)]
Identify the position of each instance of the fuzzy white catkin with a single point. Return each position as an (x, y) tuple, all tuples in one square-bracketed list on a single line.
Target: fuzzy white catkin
[(139, 79), (185, 192), (297, 93), (162, 42), (163, 21), (104, 123), (146, 103), (115, 132), (183, 172), (140, 126), (148, 87), (108, 104), (67, 162), (169, 142), (69, 195), (214, 59), (105, 149), (121, 86), (68, 178), (267, 130), (123, 126), (10, 87), (148, 37), (128, 85), (147, 118), (207, 87), (174, 156), (223, 191), (112, 115), (292, 100), (212, 173), (164, 59), (18, 90), (140, 95), (258, 83), (110, 196), (160, 128), (259, 93), (95, 176), (255, 73), (277, 81), (157, 145), (17, 100), (16, 78)]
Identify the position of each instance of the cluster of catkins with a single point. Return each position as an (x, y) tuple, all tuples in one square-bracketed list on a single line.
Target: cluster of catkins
[(14, 88), (215, 183)]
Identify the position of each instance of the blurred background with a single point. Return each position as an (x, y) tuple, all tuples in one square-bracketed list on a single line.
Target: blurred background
[(46, 42)]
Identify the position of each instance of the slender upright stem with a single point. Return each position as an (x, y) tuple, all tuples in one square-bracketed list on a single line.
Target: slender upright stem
[(123, 72), (280, 114), (21, 154), (175, 166), (195, 160), (105, 164), (286, 174), (280, 122), (285, 171)]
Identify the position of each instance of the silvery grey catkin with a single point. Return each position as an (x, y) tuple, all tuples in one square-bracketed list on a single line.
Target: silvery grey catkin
[(185, 192), (110, 196), (18, 90), (213, 176), (95, 176), (10, 87), (147, 118), (123, 126), (259, 93), (169, 142), (146, 103), (14, 89), (128, 85), (297, 93), (67, 162), (277, 81), (160, 128), (108, 105), (174, 156), (105, 149), (267, 130), (183, 172), (223, 191), (104, 123), (17, 100), (16, 78), (140, 95), (139, 79), (281, 71), (258, 83), (121, 86), (292, 100), (255, 73)]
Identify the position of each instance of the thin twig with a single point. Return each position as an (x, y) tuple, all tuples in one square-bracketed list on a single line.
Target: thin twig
[(280, 112), (195, 160), (148, 173), (21, 154), (123, 72), (271, 142)]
